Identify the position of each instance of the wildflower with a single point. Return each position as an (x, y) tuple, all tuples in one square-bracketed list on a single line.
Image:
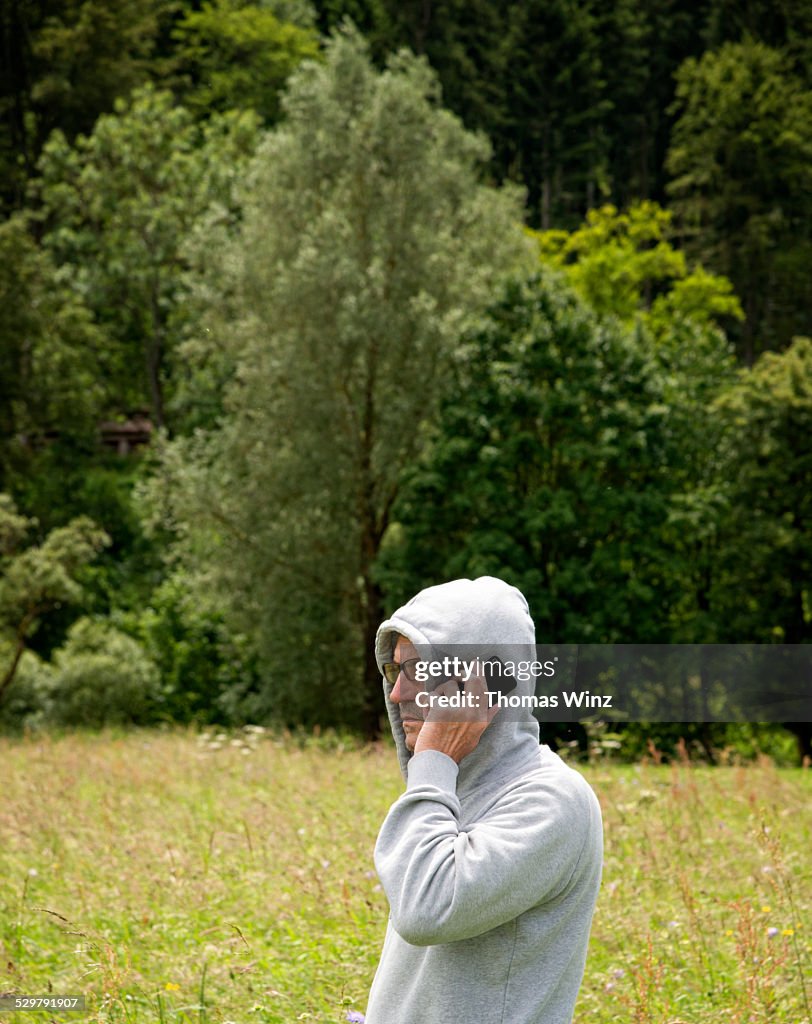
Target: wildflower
[(618, 972), (170, 986), (771, 933), (355, 1017), (765, 909), (729, 931), (788, 931)]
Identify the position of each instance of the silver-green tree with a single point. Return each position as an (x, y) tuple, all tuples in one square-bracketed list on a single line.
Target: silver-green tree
[(367, 241)]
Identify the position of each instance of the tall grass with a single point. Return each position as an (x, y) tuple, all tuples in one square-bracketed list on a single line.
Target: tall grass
[(179, 878)]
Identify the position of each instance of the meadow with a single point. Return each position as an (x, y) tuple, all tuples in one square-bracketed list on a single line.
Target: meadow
[(182, 877)]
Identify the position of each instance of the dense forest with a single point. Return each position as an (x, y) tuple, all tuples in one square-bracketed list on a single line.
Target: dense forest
[(305, 306)]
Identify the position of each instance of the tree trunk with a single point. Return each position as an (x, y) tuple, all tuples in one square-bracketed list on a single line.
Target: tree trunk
[(11, 671), (373, 697), (546, 191), (154, 355), (373, 524)]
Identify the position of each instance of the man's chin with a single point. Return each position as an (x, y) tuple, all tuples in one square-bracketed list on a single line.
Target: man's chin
[(411, 730)]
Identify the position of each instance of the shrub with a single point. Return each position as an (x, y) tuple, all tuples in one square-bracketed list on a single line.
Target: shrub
[(102, 677)]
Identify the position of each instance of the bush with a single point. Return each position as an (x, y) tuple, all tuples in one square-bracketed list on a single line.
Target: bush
[(102, 677), (207, 671), (26, 703)]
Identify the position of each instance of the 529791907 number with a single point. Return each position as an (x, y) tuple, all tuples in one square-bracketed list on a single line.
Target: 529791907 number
[(14, 1001)]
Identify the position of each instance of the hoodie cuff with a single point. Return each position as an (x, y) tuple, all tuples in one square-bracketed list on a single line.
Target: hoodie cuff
[(432, 768)]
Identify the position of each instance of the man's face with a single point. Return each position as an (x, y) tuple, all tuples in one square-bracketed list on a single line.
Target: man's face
[(404, 693)]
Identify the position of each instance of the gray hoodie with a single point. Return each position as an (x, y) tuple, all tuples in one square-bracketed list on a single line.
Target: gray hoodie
[(492, 867)]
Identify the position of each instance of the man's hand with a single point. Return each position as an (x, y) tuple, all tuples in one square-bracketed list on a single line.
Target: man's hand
[(456, 731)]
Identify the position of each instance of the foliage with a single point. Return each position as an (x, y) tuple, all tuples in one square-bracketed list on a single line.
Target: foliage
[(556, 106), (207, 674), (299, 324), (539, 460), (623, 265), (48, 348), (37, 579), (562, 449), (100, 677), (238, 56), (529, 75), (786, 26), (25, 705), (719, 743), (118, 206), (574, 96), (766, 556), (65, 62), (741, 180), (365, 240)]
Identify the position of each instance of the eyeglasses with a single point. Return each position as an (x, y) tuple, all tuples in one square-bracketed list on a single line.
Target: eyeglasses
[(392, 669)]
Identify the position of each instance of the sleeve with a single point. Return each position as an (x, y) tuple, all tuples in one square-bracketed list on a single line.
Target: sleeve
[(445, 883)]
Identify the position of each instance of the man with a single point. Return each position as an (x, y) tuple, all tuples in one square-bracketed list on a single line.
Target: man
[(491, 859)]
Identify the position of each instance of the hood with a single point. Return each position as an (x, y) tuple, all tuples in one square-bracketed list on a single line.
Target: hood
[(481, 617)]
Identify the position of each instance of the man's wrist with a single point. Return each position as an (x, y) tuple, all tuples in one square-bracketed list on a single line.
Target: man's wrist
[(432, 768)]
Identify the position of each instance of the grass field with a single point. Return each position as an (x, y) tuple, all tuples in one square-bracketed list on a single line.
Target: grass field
[(174, 877)]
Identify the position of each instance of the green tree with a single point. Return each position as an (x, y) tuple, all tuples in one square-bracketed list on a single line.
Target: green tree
[(119, 206), (643, 352), (64, 63), (572, 93), (48, 350), (625, 43), (101, 676), (365, 241), (207, 672), (741, 180), (551, 467), (237, 55), (655, 38), (465, 43), (765, 562), (786, 26), (331, 14), (37, 579), (761, 585), (556, 107), (623, 265)]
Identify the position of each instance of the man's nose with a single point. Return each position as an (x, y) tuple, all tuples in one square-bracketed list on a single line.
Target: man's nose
[(404, 689)]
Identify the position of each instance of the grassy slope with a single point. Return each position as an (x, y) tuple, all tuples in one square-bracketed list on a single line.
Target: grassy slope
[(140, 869)]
